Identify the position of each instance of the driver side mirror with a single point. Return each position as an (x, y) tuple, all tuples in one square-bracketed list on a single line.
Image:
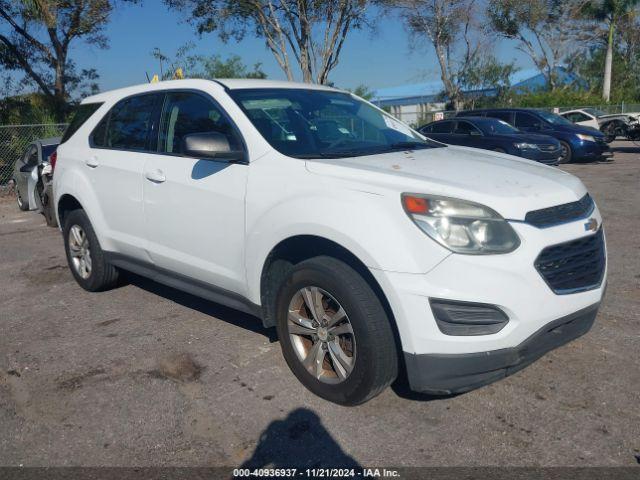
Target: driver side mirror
[(210, 145)]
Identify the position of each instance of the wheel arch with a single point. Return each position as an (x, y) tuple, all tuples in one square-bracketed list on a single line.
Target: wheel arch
[(67, 203), (298, 248)]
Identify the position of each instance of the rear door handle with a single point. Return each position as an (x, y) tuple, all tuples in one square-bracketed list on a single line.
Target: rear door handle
[(155, 176), (92, 162)]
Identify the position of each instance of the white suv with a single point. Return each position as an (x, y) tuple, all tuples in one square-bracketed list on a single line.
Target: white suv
[(371, 249)]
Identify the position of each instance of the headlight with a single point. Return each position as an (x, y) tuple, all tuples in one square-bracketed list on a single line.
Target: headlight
[(461, 226), (586, 138), (524, 146)]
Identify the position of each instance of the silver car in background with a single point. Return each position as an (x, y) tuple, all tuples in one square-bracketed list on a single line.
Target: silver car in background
[(25, 172)]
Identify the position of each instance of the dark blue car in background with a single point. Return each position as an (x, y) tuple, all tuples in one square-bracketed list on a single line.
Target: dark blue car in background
[(493, 134), (578, 143)]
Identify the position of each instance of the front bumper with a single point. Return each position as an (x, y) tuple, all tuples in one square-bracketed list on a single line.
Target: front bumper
[(545, 157), (590, 150), (455, 373)]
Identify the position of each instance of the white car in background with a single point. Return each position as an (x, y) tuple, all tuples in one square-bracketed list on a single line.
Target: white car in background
[(612, 125), (371, 249)]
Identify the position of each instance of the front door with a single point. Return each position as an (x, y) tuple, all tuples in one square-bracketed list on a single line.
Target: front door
[(194, 208)]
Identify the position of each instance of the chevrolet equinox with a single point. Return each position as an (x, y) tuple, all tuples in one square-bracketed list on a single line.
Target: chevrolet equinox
[(370, 248)]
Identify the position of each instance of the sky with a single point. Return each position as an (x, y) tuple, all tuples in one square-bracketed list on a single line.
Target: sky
[(379, 59)]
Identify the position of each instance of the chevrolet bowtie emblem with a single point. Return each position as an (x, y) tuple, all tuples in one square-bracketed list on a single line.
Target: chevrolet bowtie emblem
[(592, 225)]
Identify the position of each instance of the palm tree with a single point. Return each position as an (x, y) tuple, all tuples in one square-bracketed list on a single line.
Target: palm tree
[(610, 12)]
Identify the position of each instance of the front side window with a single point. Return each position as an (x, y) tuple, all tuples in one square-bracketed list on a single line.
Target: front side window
[(308, 123), (465, 128), (128, 124), (32, 156), (185, 113)]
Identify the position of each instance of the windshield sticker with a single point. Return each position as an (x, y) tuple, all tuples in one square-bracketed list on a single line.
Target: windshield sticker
[(394, 124)]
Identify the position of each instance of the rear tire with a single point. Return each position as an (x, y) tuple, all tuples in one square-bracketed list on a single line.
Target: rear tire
[(357, 357), (84, 255), (567, 153)]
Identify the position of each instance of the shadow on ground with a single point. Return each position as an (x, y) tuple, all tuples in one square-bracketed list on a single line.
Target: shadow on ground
[(220, 312), (299, 440)]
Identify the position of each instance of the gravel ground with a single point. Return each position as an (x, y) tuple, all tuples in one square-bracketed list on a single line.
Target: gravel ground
[(146, 375)]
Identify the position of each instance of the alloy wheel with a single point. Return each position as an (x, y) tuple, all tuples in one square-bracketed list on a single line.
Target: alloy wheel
[(80, 251), (321, 335)]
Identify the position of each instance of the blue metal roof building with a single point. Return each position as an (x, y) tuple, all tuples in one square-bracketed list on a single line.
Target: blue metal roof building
[(432, 92)]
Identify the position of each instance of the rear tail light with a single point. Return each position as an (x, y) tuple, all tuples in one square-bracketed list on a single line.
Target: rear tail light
[(53, 158)]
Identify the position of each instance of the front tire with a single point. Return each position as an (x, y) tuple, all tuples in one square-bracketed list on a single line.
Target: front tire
[(334, 332), (22, 203), (84, 255), (567, 154)]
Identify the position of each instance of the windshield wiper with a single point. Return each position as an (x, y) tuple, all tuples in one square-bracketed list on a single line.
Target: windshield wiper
[(408, 146)]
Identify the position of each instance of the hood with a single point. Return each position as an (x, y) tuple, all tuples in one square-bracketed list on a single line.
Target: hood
[(635, 115), (579, 129), (510, 185)]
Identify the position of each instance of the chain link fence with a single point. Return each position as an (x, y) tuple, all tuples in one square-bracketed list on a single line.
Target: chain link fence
[(14, 140)]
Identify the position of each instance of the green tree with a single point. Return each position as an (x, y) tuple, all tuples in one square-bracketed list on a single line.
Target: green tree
[(611, 13), (448, 27), (547, 31), (363, 91), (204, 66), (36, 36), (486, 72), (313, 32)]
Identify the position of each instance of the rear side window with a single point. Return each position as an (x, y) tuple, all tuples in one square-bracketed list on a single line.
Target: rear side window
[(129, 123), (83, 112), (442, 127), (504, 116)]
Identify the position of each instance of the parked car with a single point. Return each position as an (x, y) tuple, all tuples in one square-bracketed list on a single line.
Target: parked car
[(25, 171), (493, 134), (366, 245), (612, 125), (578, 143), (44, 190)]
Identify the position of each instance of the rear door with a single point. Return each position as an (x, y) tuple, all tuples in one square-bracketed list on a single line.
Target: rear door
[(120, 149), (194, 208)]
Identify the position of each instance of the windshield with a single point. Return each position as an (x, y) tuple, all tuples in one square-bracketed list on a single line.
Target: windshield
[(553, 118), (490, 126), (595, 112), (307, 123)]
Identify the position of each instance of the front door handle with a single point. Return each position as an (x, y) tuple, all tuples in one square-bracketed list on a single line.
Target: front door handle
[(155, 176), (92, 162)]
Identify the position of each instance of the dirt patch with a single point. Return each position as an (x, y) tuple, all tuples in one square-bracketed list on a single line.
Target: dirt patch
[(76, 381), (180, 367), (106, 323), (40, 276)]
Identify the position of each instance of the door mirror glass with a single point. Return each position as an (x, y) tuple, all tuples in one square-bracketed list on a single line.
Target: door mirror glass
[(212, 145)]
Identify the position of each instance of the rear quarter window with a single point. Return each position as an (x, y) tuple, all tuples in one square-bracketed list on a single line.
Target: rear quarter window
[(82, 114)]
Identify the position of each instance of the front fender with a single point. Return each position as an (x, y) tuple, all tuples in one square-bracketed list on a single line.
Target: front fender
[(371, 226)]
